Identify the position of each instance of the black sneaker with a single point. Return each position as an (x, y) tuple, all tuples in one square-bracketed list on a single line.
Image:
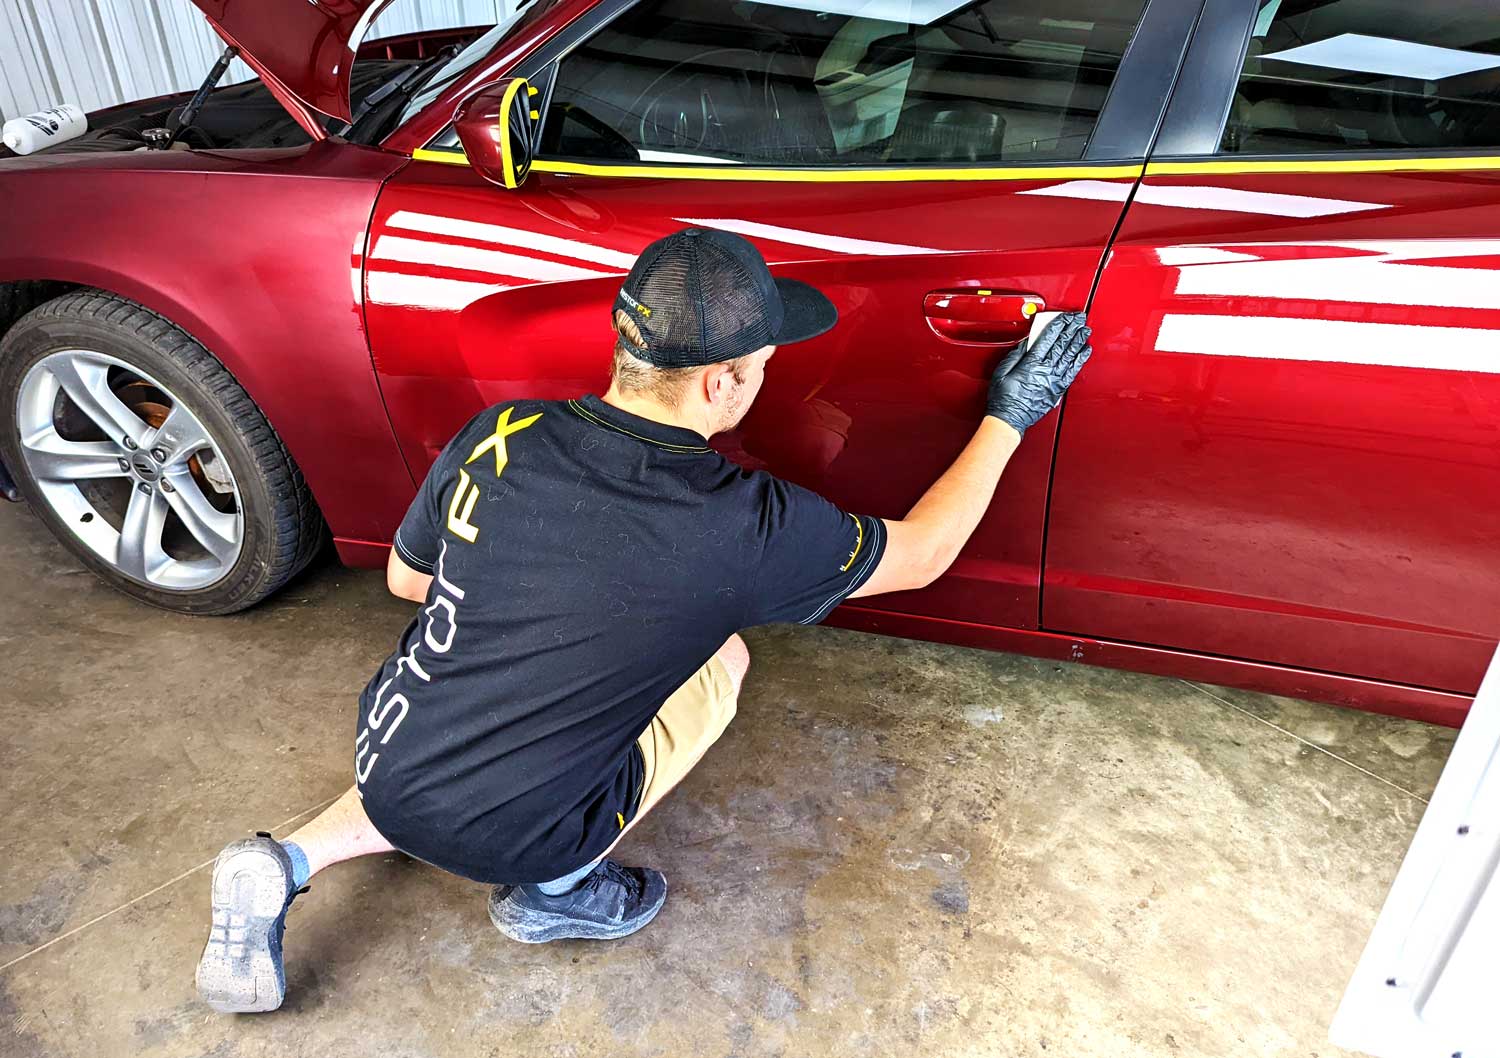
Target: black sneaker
[(241, 968), (610, 903)]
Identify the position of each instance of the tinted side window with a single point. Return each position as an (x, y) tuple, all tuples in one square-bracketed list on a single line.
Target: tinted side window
[(714, 81), (1334, 75)]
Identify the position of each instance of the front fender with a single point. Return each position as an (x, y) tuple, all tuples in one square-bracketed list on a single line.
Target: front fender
[(258, 256)]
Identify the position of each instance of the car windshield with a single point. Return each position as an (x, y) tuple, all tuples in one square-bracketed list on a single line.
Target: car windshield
[(459, 64)]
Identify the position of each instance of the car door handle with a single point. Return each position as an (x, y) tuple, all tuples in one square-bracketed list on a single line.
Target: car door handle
[(972, 316)]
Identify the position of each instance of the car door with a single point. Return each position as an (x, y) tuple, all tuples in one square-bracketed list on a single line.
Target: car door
[(1287, 447), (909, 169)]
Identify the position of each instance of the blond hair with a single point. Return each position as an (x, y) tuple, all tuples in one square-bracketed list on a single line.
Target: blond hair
[(664, 385)]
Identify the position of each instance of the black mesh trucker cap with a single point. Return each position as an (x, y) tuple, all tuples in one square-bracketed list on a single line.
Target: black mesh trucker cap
[(703, 296)]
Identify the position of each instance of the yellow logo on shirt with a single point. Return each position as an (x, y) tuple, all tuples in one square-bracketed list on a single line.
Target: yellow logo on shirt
[(496, 441), (466, 495)]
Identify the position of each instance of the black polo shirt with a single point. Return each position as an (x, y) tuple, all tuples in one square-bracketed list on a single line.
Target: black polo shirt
[(586, 562)]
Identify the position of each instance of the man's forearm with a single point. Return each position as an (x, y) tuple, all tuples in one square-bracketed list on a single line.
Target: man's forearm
[(948, 512), (1027, 384)]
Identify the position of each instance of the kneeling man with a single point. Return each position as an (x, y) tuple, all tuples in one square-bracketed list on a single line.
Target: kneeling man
[(584, 567)]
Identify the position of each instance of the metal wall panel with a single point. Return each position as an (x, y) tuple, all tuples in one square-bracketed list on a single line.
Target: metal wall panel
[(97, 53)]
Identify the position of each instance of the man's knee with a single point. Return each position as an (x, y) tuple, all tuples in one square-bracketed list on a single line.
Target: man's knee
[(735, 657)]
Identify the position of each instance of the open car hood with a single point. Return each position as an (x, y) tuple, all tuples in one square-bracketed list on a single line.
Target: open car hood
[(302, 49)]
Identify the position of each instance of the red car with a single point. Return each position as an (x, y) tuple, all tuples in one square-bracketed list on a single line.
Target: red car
[(231, 320)]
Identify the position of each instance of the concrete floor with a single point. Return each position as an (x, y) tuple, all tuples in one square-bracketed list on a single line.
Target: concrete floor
[(898, 848)]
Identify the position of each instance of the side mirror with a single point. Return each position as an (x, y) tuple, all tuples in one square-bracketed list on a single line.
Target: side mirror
[(497, 126)]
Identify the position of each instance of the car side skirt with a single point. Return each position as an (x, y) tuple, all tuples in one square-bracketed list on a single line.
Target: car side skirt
[(1393, 699)]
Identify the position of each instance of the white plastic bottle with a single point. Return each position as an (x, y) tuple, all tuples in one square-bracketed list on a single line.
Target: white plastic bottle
[(45, 128)]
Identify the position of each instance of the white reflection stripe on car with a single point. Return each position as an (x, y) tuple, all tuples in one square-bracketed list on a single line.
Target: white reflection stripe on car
[(474, 259), (426, 292), (1238, 200), (1409, 249), (817, 240), (1180, 256), (518, 238), (357, 264), (1363, 280), (1094, 190), (682, 158), (1199, 196), (1332, 341)]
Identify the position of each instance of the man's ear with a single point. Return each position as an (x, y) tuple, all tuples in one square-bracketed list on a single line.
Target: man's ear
[(716, 382)]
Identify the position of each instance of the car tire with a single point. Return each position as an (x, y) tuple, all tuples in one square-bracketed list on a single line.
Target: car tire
[(265, 525)]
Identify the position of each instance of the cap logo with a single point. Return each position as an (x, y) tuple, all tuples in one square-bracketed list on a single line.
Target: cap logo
[(644, 310)]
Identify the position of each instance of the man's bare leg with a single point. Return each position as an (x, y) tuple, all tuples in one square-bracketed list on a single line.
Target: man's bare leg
[(340, 832), (254, 882)]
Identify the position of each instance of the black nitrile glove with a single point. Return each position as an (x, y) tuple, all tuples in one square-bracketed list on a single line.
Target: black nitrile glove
[(1032, 379)]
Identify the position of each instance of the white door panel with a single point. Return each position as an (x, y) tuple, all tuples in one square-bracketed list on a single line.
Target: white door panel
[(1428, 983)]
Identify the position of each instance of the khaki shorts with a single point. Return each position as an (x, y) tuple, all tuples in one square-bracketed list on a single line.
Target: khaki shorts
[(688, 722)]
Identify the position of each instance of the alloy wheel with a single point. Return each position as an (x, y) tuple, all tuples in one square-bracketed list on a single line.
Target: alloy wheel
[(130, 470)]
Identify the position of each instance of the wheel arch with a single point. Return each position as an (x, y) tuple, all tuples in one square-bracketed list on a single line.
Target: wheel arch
[(212, 324), (20, 296)]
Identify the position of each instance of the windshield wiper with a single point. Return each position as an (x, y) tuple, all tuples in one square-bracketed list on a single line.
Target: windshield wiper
[(404, 85)]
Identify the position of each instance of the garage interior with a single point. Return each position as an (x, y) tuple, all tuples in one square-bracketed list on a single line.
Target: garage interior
[(899, 847)]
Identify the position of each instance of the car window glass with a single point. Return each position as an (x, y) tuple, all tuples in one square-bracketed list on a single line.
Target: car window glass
[(1336, 75), (721, 82)]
